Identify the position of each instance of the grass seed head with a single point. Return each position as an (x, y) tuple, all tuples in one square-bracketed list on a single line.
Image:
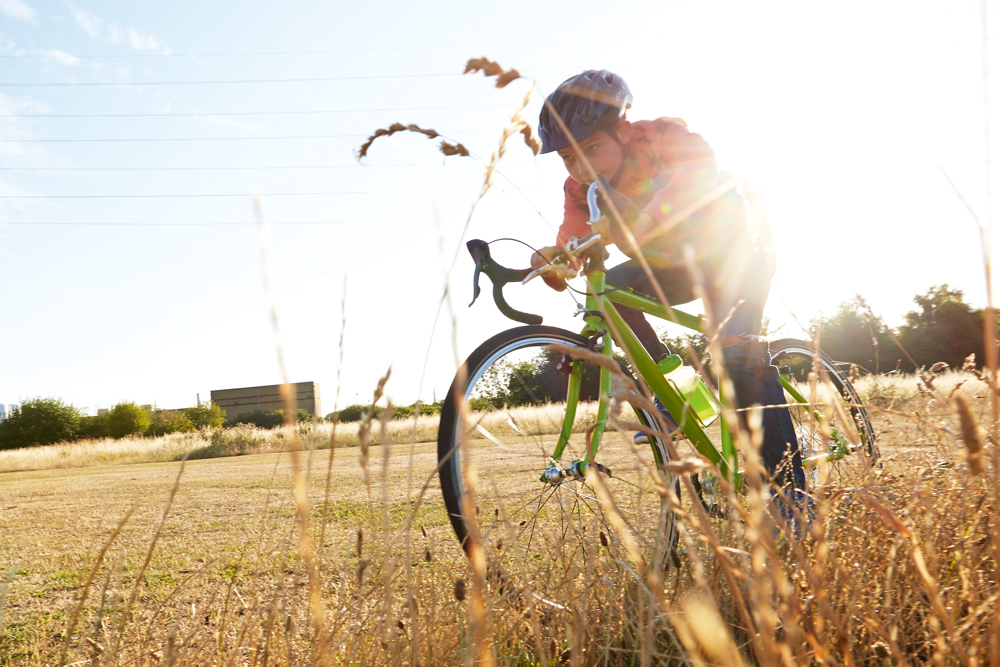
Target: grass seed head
[(969, 365), (453, 149), (530, 139), (971, 435), (391, 130), (491, 68)]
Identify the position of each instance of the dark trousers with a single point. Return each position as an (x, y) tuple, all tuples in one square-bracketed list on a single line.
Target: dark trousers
[(736, 294)]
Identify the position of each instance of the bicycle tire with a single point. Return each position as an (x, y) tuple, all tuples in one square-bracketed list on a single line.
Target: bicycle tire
[(520, 340), (800, 357)]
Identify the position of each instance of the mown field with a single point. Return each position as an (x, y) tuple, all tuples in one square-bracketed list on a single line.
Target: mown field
[(116, 554)]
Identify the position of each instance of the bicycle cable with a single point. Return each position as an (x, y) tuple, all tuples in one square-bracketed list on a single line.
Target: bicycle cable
[(547, 261)]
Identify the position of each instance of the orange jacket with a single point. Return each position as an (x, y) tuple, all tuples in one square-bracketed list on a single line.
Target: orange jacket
[(664, 163)]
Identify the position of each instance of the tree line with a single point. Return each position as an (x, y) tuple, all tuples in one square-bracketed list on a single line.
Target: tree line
[(941, 328), (46, 421)]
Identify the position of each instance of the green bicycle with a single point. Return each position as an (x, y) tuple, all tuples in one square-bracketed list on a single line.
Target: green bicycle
[(538, 503)]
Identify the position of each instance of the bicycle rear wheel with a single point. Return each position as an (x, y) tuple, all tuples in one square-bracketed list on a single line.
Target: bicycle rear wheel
[(521, 517), (829, 443)]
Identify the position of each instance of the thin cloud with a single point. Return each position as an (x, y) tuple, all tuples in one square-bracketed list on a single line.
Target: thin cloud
[(90, 23), (142, 41), (60, 57), (111, 33), (18, 9)]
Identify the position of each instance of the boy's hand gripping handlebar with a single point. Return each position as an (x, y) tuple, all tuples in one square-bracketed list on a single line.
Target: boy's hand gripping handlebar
[(501, 275)]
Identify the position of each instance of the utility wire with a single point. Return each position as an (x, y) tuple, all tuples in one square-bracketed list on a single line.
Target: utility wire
[(354, 165), (240, 113), (30, 223), (297, 53), (239, 194), (265, 138), (313, 79)]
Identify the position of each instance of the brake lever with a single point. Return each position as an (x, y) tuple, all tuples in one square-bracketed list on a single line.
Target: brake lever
[(539, 271), (478, 249), (595, 210)]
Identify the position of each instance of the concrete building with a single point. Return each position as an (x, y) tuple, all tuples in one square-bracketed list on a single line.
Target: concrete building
[(237, 402)]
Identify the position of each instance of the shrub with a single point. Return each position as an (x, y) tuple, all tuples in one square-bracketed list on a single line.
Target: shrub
[(353, 413), (160, 425), (94, 427), (402, 411), (207, 415), (127, 419), (39, 421), (432, 408), (260, 419), (234, 441)]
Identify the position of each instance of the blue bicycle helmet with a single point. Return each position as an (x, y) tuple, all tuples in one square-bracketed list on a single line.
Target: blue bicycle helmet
[(587, 102)]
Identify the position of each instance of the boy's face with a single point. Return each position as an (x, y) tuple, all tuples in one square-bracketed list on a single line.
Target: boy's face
[(604, 153)]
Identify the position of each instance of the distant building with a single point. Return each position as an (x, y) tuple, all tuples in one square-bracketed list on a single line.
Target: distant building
[(237, 402)]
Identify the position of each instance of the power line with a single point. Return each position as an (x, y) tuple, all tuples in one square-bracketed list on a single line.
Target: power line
[(239, 113), (265, 138), (316, 79), (242, 194), (282, 167), (222, 224), (295, 53)]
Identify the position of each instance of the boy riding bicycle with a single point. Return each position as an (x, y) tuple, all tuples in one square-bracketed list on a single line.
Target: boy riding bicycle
[(679, 209)]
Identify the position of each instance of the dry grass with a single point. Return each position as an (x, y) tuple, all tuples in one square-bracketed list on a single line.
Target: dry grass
[(241, 440), (898, 566)]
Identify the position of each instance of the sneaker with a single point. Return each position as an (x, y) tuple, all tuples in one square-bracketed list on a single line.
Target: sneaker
[(643, 439)]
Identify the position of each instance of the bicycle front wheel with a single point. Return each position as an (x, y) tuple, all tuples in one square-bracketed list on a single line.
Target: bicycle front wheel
[(517, 408), (831, 423)]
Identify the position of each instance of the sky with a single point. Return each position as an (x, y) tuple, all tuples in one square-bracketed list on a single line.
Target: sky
[(135, 139)]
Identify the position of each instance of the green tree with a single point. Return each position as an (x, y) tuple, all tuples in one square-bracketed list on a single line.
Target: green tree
[(95, 427), (942, 328), (127, 419), (39, 421), (207, 415), (535, 381), (851, 336)]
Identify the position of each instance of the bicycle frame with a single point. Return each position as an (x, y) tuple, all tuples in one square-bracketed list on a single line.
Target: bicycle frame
[(600, 305)]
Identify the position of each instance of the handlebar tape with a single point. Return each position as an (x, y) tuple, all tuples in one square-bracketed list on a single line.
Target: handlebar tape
[(500, 276)]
